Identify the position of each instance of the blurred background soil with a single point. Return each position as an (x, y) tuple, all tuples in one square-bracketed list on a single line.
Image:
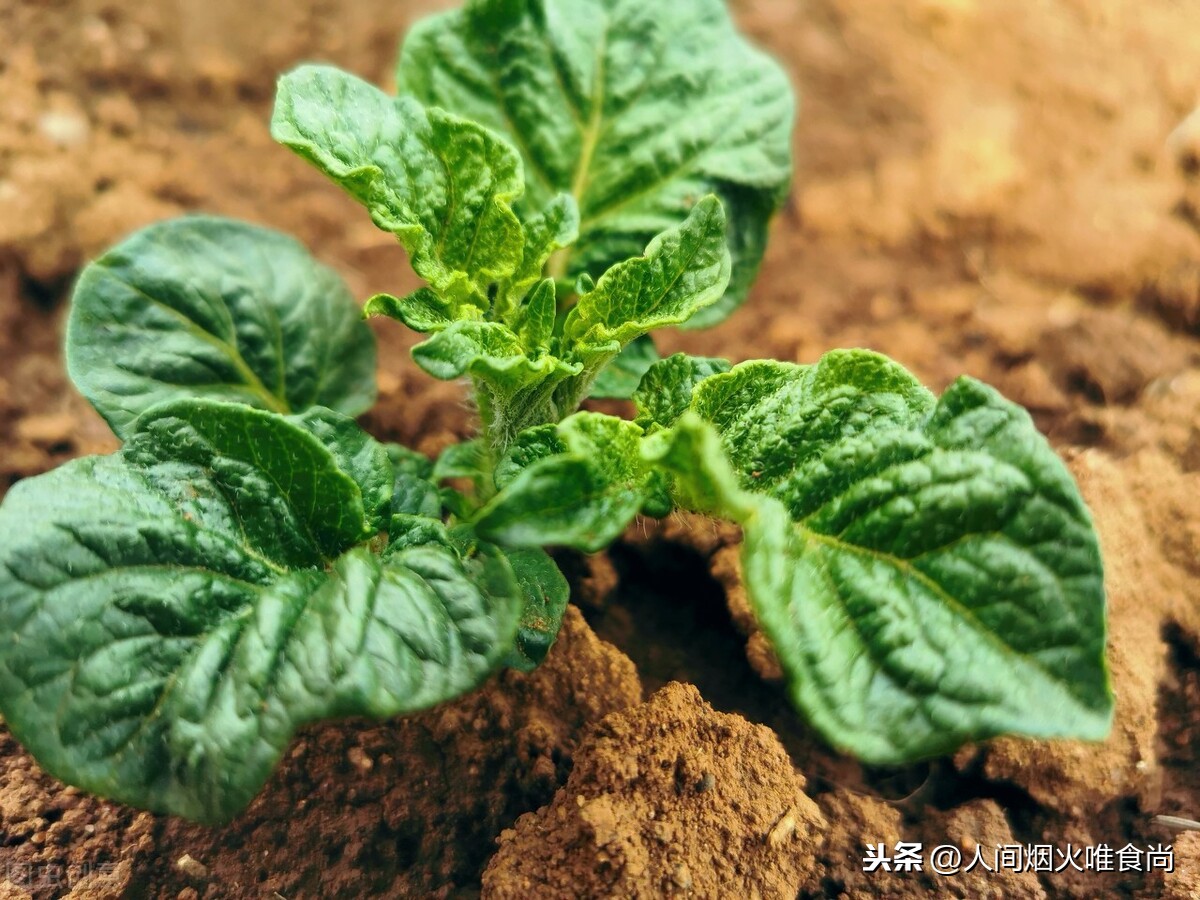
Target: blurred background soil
[(1007, 190)]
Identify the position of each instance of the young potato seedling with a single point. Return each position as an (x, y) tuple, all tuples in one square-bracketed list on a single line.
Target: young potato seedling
[(566, 176)]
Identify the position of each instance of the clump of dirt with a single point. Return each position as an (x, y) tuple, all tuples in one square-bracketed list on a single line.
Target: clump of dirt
[(667, 799)]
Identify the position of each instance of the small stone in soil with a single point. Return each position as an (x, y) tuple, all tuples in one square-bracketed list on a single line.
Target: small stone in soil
[(359, 759), (192, 867), (784, 829), (683, 877)]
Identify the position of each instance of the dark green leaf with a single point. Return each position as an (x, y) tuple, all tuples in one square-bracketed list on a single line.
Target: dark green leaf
[(358, 455), (546, 594), (925, 570), (292, 498), (218, 309), (635, 108), (413, 492), (171, 614)]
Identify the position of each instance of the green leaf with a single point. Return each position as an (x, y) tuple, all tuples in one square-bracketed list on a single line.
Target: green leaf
[(683, 270), (620, 378), (443, 185), (413, 490), (583, 498), (550, 230), (634, 108), (423, 310), (530, 445), (925, 569), (171, 614), (465, 460), (546, 593), (535, 322), (213, 308), (665, 391), (295, 500), (358, 455)]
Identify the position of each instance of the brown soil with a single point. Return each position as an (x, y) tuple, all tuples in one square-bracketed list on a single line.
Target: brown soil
[(1007, 190)]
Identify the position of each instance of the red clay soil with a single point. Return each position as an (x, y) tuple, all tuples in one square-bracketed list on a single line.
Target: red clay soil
[(1006, 190)]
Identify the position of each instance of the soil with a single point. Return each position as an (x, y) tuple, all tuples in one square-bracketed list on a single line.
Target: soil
[(1006, 190)]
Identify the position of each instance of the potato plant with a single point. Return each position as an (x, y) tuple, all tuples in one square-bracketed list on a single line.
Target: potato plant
[(566, 176)]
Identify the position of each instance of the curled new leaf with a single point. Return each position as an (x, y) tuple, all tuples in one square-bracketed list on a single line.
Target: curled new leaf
[(515, 387), (423, 310), (546, 232), (444, 186), (212, 308), (683, 270)]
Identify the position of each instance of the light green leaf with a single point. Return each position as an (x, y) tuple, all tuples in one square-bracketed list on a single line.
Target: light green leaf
[(171, 614), (683, 270), (530, 445), (635, 108), (620, 378), (583, 498), (423, 310), (703, 480), (546, 593), (213, 308), (665, 391), (486, 350), (535, 321), (443, 185), (471, 461), (925, 569), (550, 230)]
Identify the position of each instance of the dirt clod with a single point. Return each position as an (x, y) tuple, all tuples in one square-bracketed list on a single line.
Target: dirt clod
[(637, 780)]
